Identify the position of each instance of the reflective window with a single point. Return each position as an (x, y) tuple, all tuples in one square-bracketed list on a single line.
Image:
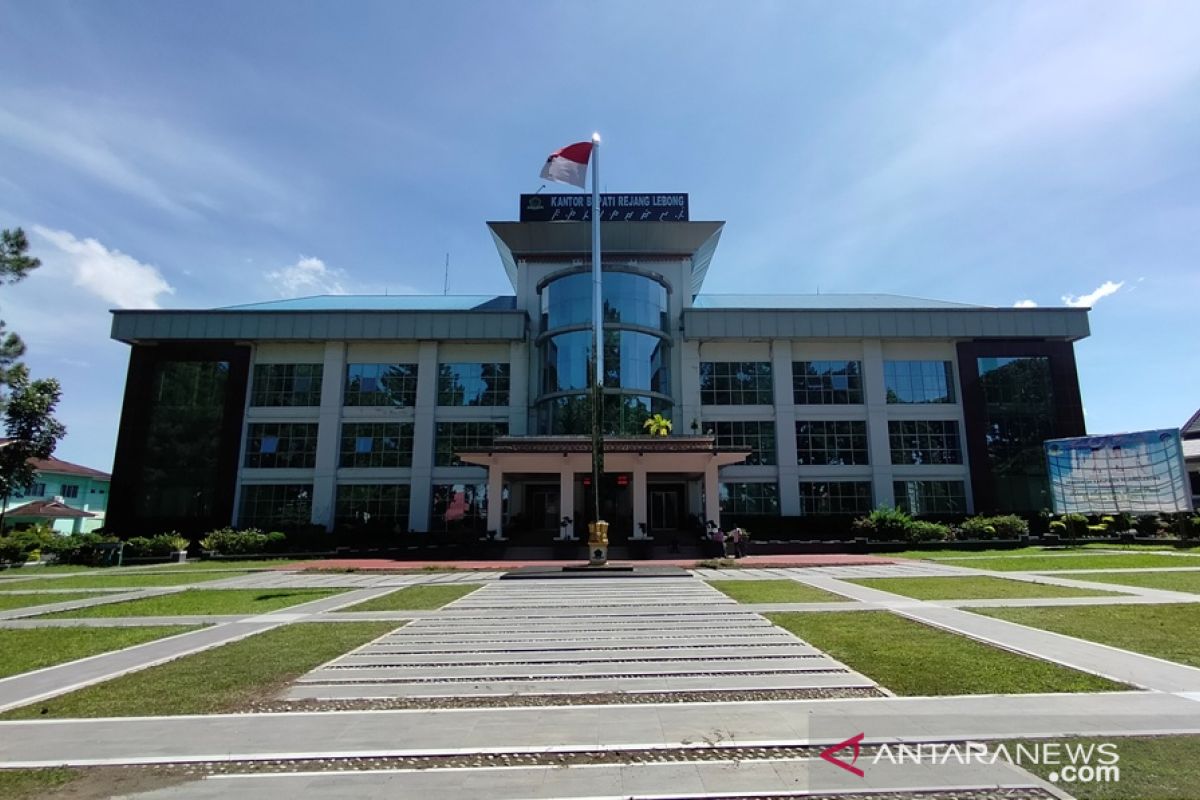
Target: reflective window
[(473, 384), (459, 507), (1018, 418), (286, 385), (383, 506), (827, 383), (628, 298), (736, 383), (835, 497), (280, 445), (377, 444), (756, 436), (919, 381), (632, 360), (930, 497), (179, 467), (624, 414), (275, 505), (381, 385), (831, 442), (457, 437), (920, 441), (69, 491), (747, 499)]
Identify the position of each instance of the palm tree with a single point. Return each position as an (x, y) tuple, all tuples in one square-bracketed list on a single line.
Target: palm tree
[(657, 425)]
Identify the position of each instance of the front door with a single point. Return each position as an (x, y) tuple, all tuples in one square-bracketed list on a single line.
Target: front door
[(543, 508), (664, 509)]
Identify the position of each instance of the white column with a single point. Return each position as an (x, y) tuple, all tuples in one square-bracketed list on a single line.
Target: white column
[(785, 428), (329, 434), (712, 495), (495, 501), (639, 501), (566, 499), (421, 489), (878, 445)]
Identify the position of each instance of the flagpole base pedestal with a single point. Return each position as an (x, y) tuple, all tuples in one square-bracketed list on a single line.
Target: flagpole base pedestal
[(597, 543)]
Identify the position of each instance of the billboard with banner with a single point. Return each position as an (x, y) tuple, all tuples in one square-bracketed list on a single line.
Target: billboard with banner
[(1138, 473)]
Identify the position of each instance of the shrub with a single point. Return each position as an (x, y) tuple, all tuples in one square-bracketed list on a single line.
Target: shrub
[(1008, 526), (1077, 525), (1097, 530), (977, 528), (1122, 522), (19, 546), (228, 542), (160, 546), (885, 525), (1058, 528), (276, 542), (924, 531), (1149, 525), (88, 549)]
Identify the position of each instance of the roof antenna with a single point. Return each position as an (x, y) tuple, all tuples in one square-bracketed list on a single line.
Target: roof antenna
[(446, 281), (543, 186)]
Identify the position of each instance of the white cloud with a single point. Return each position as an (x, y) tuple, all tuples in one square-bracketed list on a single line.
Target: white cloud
[(1088, 300), (108, 274), (308, 276), (1025, 304)]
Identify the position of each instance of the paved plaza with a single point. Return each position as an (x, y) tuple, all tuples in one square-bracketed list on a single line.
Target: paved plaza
[(614, 687)]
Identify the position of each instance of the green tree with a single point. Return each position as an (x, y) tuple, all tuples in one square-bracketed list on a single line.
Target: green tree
[(15, 264), (31, 431)]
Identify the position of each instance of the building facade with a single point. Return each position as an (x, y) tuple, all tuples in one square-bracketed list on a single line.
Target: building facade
[(70, 498), (435, 414)]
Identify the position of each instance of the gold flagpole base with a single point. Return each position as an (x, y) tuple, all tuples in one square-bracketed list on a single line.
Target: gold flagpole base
[(597, 543)]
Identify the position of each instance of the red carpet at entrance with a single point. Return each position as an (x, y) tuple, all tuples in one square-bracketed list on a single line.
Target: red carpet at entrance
[(822, 560)]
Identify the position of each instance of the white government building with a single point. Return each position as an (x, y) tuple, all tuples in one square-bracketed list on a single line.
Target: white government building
[(442, 414)]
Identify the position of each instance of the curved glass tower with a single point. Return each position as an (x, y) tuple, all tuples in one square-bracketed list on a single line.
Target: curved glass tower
[(637, 380)]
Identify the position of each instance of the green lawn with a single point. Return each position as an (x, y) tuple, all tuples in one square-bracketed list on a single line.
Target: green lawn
[(122, 580), (11, 601), (970, 587), (19, 784), (939, 555), (203, 601), (1173, 581), (1165, 631), (782, 591), (25, 649), (1152, 768), (215, 681), (912, 659), (1076, 561), (415, 598)]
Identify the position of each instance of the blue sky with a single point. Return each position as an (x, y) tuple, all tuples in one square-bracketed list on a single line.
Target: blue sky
[(202, 154)]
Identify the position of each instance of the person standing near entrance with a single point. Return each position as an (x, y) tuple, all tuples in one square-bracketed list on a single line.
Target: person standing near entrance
[(739, 542)]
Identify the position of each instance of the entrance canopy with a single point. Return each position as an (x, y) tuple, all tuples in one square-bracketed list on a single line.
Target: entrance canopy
[(637, 455)]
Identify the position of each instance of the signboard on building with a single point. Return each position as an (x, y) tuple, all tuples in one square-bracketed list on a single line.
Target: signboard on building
[(613, 208), (1137, 473)]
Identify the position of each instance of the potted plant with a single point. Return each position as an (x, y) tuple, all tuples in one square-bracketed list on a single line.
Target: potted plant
[(657, 425)]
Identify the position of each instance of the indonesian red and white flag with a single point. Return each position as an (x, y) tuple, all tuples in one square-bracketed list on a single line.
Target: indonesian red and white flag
[(569, 165)]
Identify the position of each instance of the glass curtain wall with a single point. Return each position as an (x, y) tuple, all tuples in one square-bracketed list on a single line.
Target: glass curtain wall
[(1019, 418), (637, 376)]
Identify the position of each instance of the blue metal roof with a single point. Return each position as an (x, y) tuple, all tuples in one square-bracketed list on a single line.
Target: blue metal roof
[(821, 301), (386, 302)]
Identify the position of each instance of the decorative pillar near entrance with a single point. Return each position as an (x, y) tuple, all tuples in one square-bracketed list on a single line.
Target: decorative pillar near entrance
[(640, 520), (712, 494), (566, 502), (495, 501)]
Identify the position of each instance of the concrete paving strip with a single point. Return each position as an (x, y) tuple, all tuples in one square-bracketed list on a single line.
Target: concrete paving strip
[(1124, 666), (46, 743), (88, 602), (439, 627), (519, 644), (337, 674), (676, 780), (377, 655), (656, 613), (594, 685)]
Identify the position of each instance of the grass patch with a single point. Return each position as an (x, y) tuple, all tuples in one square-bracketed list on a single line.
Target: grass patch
[(1152, 768), (25, 649), (1165, 631), (913, 659), (1171, 581), (215, 681), (203, 601), (1076, 561), (10, 601), (942, 555), (414, 598), (132, 580), (970, 587), (18, 784), (782, 591)]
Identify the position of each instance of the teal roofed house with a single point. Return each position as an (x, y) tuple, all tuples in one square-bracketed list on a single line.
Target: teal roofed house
[(70, 498)]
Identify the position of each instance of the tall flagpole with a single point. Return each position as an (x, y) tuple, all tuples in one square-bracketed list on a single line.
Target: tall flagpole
[(597, 335)]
